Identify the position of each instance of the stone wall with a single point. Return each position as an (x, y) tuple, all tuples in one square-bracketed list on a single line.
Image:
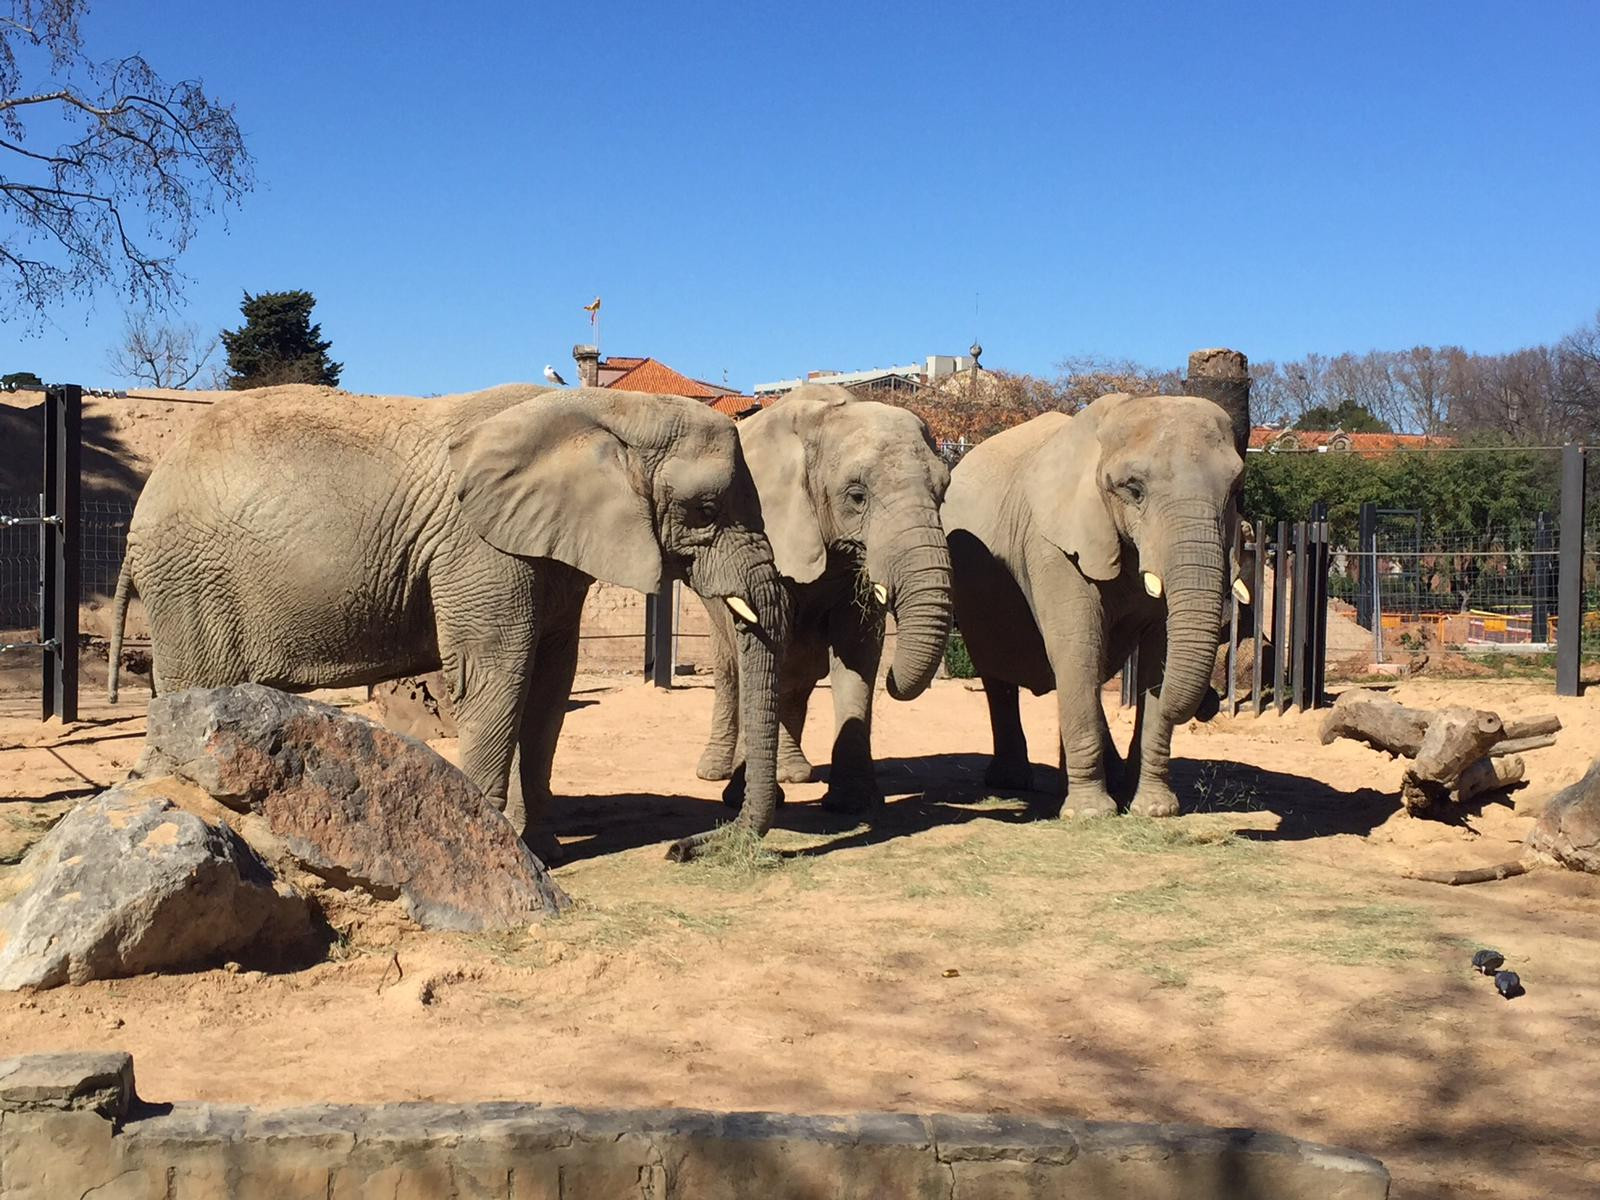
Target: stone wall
[(70, 1125)]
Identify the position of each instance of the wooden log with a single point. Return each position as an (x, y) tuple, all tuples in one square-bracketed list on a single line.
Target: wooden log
[(1503, 870), (1456, 738), (1518, 745), (1518, 728), (1382, 724), (1489, 775)]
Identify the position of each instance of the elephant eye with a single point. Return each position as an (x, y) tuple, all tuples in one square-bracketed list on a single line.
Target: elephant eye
[(1134, 491), (707, 510), (857, 494)]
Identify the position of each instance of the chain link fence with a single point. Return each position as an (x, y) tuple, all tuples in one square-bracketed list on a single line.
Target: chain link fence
[(102, 541)]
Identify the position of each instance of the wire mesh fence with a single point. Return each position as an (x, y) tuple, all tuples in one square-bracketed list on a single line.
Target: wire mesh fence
[(102, 541)]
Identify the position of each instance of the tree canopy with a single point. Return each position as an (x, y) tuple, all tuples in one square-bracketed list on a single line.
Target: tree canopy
[(106, 169), (1346, 415), (278, 343)]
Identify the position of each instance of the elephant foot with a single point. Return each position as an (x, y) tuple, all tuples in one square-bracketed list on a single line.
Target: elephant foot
[(1088, 800), (853, 796), (715, 763), (1009, 775), (1154, 799), (544, 847), (794, 770)]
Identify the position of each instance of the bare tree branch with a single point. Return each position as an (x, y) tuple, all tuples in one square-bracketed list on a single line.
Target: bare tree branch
[(115, 185), (166, 356)]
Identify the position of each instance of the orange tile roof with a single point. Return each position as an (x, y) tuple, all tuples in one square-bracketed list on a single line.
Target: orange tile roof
[(623, 364), (1263, 436), (737, 406), (653, 376)]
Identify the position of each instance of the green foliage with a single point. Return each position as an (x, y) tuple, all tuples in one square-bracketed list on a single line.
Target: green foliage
[(1462, 493), (1347, 415), (956, 659), (278, 343), (16, 379)]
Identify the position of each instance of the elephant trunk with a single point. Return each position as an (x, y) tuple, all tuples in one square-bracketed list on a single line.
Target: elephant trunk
[(740, 569), (759, 648), (1194, 585), (919, 595)]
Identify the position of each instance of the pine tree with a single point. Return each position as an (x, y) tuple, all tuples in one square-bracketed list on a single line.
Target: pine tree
[(278, 343)]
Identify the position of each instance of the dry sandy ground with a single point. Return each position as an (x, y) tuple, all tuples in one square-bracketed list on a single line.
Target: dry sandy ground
[(1261, 965)]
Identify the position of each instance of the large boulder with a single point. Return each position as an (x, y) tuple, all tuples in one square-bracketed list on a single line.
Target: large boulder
[(353, 803), (127, 883), (1569, 829)]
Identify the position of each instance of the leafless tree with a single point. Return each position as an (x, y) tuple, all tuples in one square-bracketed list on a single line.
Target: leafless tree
[(106, 169), (160, 354)]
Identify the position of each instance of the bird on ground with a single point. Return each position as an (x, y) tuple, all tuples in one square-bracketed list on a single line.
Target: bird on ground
[(1508, 984), (1487, 962), (554, 376)]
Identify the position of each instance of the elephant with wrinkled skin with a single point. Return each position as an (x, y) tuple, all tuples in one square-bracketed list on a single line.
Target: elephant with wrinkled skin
[(850, 492), (314, 541), (1075, 540)]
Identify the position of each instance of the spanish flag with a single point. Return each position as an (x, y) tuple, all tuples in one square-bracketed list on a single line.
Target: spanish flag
[(593, 309)]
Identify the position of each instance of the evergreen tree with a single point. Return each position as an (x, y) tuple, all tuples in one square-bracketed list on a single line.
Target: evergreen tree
[(1346, 415), (278, 343)]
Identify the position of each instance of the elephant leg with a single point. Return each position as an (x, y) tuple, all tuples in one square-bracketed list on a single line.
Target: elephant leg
[(793, 700), (855, 647), (488, 708), (1083, 736), (555, 663), (1009, 768), (1150, 755), (722, 752)]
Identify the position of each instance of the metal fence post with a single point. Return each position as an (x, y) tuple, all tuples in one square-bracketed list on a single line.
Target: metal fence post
[(1543, 577), (1130, 679), (1319, 612), (1280, 619), (1302, 600), (662, 630), (1258, 599), (1569, 588), (58, 546), (1367, 557)]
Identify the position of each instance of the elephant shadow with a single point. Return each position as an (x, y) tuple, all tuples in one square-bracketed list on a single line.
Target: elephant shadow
[(932, 791)]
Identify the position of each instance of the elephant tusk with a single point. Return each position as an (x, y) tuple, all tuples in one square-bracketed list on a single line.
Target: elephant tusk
[(1152, 584), (741, 609), (881, 592), (1241, 591)]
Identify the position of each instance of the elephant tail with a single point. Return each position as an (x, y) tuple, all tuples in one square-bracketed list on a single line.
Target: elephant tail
[(119, 615)]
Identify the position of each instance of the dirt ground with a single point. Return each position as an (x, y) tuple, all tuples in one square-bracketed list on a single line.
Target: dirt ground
[(1259, 962)]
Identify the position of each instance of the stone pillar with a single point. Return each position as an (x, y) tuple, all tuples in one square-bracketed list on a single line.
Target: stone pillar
[(588, 360), (1223, 377)]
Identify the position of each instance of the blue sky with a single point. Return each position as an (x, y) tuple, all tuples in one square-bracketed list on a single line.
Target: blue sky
[(766, 188)]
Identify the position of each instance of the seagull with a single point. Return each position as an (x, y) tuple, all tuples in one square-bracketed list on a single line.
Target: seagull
[(553, 376)]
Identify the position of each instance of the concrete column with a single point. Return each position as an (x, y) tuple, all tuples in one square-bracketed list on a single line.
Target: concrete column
[(588, 360), (1223, 377)]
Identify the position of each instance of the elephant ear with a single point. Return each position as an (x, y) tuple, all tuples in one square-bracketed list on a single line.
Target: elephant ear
[(1061, 484), (774, 447), (552, 478)]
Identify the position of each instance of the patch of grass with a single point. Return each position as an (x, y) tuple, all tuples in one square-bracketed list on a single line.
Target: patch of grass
[(1222, 791), (736, 857)]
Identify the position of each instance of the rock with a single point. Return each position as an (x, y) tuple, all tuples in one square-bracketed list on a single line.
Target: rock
[(354, 804), (1569, 829), (101, 1083), (127, 883)]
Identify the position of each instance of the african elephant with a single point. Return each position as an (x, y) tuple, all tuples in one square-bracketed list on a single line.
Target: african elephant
[(317, 541), (850, 493), (1075, 540)]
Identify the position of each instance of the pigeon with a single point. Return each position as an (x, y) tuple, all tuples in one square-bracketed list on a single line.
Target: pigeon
[(1508, 984), (554, 376), (1487, 962)]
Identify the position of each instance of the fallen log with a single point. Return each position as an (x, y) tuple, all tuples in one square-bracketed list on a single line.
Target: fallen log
[(1528, 727), (1518, 745), (1489, 775), (1456, 738), (1503, 870), (1382, 724)]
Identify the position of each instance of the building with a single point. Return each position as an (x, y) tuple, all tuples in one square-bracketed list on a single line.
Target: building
[(1272, 440), (652, 375), (906, 380)]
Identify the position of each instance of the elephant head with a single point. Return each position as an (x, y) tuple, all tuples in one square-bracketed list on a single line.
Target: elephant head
[(859, 481), (1143, 489), (639, 490)]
